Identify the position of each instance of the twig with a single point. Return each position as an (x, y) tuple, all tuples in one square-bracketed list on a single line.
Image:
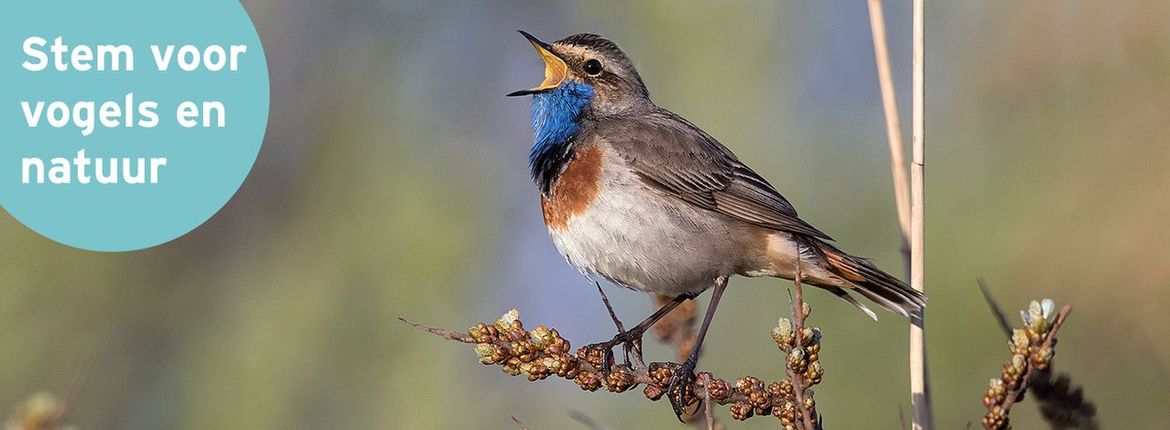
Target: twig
[(517, 420), (586, 420), (1049, 339), (798, 382), (919, 380), (706, 379), (1033, 348), (441, 332), (995, 309), (1061, 402)]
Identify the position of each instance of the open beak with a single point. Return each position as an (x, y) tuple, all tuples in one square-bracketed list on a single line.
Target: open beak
[(555, 69)]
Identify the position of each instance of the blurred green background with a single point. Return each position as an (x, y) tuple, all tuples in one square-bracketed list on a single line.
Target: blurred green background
[(393, 183)]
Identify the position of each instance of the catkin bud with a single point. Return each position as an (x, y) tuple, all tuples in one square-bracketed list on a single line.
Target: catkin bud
[(782, 333), (796, 360), (506, 321)]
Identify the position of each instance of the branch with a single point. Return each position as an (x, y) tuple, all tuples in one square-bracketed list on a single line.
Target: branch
[(1061, 402), (995, 309), (542, 352), (1039, 357), (440, 332), (800, 312), (710, 416), (586, 420), (1032, 350), (517, 420)]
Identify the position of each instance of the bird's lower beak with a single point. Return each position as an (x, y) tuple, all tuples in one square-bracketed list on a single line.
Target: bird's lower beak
[(555, 69)]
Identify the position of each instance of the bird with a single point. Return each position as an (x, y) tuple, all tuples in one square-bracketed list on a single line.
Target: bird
[(637, 195)]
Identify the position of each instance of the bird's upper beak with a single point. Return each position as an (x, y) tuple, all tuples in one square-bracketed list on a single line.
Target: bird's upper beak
[(555, 69)]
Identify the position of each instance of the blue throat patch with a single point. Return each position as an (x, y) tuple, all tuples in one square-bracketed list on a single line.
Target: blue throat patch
[(555, 116)]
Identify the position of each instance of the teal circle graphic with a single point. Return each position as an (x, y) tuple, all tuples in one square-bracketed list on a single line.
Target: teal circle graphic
[(151, 177)]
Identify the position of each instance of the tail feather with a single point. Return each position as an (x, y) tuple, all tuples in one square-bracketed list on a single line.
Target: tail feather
[(844, 295), (869, 281)]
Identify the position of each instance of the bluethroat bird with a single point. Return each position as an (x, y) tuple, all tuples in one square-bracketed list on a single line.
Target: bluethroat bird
[(639, 196)]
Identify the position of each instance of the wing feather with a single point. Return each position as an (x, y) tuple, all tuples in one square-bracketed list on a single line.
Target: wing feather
[(675, 157)]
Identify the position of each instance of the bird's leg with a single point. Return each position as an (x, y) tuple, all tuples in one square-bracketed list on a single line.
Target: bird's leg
[(684, 375), (632, 338), (616, 322)]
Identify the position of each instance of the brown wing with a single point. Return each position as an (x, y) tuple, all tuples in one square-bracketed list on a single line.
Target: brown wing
[(676, 157)]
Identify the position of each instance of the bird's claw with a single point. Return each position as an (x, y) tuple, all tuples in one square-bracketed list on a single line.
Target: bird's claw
[(632, 346), (629, 340), (681, 389), (606, 348)]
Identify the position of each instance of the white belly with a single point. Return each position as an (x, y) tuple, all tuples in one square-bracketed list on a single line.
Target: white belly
[(641, 240)]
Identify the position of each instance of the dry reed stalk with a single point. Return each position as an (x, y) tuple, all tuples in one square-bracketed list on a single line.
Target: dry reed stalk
[(910, 203), (919, 382), (877, 25)]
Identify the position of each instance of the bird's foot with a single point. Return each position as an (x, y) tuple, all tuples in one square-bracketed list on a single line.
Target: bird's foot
[(631, 342), (681, 390)]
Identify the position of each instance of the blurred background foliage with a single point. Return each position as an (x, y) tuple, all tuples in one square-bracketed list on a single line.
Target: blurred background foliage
[(393, 183)]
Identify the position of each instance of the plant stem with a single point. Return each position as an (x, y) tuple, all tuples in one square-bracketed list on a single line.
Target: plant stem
[(877, 25), (919, 382)]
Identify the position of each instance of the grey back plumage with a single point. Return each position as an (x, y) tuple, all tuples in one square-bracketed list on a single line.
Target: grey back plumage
[(672, 155)]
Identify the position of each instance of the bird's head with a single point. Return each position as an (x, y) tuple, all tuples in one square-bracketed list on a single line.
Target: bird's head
[(591, 67)]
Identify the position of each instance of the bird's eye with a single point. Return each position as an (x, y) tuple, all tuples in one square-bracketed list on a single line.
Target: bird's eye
[(593, 67)]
